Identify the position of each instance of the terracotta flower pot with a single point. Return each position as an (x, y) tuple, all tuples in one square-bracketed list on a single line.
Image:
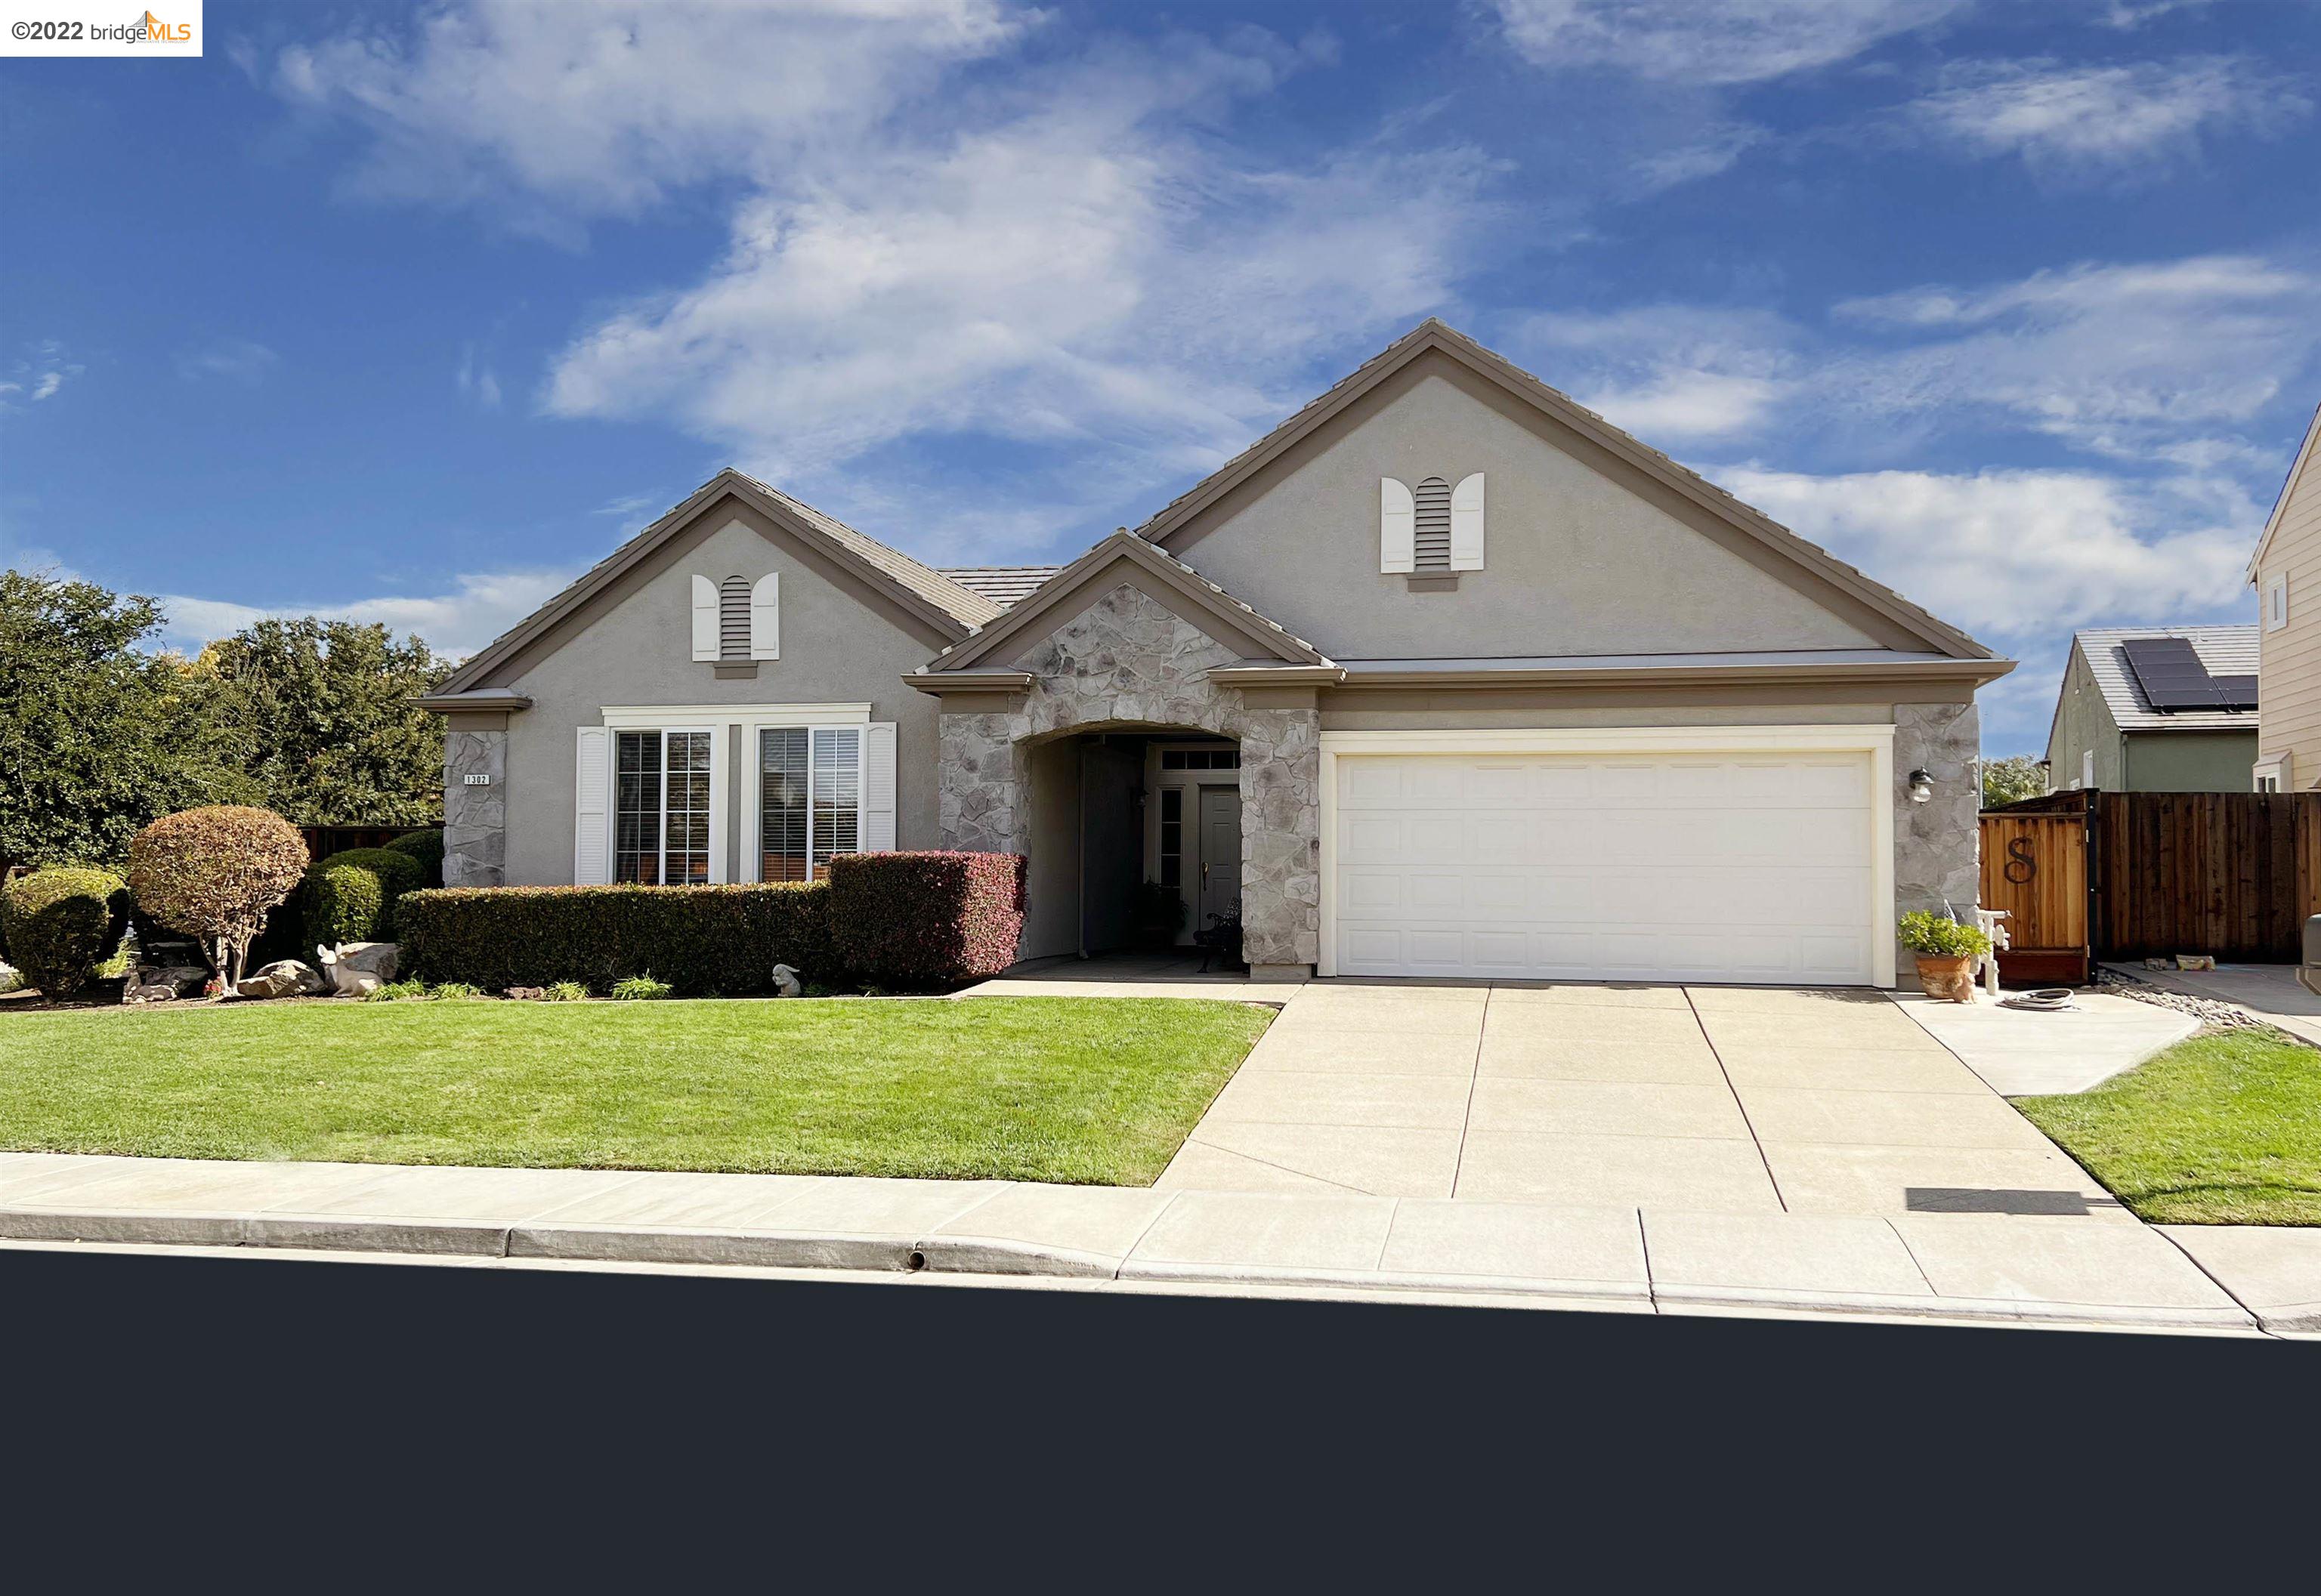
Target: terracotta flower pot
[(1949, 977)]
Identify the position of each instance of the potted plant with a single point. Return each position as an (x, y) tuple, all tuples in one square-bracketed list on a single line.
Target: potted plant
[(1947, 951), (1156, 914)]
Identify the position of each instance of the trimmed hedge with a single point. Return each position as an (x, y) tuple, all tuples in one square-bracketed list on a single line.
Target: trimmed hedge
[(63, 922), (351, 897), (722, 939), (927, 918), (427, 848)]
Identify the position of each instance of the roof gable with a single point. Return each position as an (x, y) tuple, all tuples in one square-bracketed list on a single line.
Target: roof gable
[(943, 605), (2298, 470), (1185, 518), (1123, 556), (2225, 650)]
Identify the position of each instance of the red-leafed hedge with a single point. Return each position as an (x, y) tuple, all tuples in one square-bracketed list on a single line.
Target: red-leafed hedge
[(926, 918), (700, 939)]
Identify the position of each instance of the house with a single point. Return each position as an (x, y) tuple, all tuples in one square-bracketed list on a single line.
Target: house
[(2156, 710), (1444, 677), (2286, 571)]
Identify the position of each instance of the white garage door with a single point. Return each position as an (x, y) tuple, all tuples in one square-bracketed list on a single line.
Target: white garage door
[(1711, 867)]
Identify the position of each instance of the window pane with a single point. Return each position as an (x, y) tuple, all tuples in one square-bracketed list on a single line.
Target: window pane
[(687, 850), (636, 820), (782, 804), (837, 794), (1172, 836)]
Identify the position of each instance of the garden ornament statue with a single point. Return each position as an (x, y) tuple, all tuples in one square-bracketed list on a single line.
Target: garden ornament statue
[(786, 981), (358, 969)]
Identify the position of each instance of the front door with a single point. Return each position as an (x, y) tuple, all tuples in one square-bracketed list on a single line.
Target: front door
[(1220, 855)]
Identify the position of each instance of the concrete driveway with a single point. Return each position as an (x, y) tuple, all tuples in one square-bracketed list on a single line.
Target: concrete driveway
[(1725, 1099)]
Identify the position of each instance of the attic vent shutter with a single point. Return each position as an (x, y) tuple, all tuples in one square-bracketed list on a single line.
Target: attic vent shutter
[(1433, 541), (733, 618)]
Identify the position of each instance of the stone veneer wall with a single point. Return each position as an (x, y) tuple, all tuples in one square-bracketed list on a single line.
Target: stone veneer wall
[(474, 818), (1937, 844), (1128, 661)]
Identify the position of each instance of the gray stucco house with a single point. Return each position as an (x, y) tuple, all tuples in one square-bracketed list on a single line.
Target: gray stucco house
[(2108, 733), (1444, 677)]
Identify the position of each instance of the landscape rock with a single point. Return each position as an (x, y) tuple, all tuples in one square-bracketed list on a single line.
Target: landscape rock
[(357, 968), (283, 978), (155, 992), (533, 994), (182, 980)]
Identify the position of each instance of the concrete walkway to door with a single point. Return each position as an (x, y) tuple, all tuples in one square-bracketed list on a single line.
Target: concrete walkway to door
[(1723, 1100)]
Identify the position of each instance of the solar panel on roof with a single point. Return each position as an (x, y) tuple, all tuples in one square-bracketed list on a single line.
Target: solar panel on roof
[(2172, 675), (2239, 692)]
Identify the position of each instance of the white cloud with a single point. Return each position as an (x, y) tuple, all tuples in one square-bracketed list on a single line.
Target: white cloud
[(1709, 41), (2117, 358), (2121, 122), (38, 376), (476, 380), (1670, 372), (550, 110), (1073, 258), (2020, 553), (235, 359), (478, 608), (1714, 151)]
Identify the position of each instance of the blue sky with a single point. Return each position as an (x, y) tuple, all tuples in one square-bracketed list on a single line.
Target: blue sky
[(411, 314)]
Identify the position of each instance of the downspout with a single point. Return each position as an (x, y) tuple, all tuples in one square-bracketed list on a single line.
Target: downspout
[(1080, 835)]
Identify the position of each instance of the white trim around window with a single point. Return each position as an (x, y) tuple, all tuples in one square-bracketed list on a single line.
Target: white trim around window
[(793, 714), (1874, 741)]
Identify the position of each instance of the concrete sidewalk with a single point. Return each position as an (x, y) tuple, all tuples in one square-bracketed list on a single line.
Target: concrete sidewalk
[(2269, 991), (1940, 1265)]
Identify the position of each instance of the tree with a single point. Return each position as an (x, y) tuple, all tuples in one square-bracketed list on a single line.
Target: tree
[(98, 737), (213, 873), (317, 714), (2017, 777)]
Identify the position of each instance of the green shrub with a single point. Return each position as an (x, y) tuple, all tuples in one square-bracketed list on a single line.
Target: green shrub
[(1937, 936), (427, 848), (640, 988), (63, 922), (697, 939), (393, 992), (564, 991), (454, 991), (351, 897), (917, 920)]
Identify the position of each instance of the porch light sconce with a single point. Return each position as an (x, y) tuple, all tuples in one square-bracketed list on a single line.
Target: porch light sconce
[(1922, 787)]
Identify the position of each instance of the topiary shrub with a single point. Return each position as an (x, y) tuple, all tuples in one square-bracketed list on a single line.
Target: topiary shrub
[(427, 848), (697, 939), (927, 918), (351, 897), (62, 922), (213, 873)]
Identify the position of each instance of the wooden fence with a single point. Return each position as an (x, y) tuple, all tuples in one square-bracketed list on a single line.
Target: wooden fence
[(323, 841), (2233, 874)]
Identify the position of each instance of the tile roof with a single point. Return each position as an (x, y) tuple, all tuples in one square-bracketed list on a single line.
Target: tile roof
[(2225, 650), (961, 603), (1002, 584)]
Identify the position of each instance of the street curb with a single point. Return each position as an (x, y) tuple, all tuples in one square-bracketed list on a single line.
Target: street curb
[(896, 1252)]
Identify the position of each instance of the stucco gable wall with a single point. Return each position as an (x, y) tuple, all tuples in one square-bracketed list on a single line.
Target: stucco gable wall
[(634, 646), (1577, 560)]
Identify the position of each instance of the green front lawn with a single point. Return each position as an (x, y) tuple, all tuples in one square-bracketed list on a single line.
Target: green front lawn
[(2223, 1130), (1093, 1091)]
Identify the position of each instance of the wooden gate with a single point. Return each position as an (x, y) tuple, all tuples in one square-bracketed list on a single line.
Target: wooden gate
[(2035, 866), (2096, 875)]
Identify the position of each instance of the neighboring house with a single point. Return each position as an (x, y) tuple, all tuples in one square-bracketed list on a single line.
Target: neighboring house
[(1444, 677), (2156, 710), (2286, 571)]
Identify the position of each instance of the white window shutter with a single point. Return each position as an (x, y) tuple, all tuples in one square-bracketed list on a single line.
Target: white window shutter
[(877, 832), (1397, 526), (766, 617), (1466, 524), (592, 802), (704, 618)]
